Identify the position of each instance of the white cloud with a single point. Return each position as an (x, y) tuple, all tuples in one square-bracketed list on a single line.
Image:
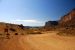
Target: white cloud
[(28, 21), (25, 22)]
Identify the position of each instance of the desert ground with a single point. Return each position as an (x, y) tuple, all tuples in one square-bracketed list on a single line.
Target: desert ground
[(47, 41)]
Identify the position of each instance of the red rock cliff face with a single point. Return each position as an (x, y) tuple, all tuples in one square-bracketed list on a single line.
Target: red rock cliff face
[(68, 19)]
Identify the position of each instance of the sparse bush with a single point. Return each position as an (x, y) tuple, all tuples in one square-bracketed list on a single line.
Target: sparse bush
[(34, 33), (12, 29), (61, 33), (21, 26), (8, 34), (16, 33), (67, 28), (6, 30), (38, 33), (67, 32)]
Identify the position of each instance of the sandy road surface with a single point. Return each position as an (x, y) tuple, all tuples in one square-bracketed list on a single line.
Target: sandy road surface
[(49, 41)]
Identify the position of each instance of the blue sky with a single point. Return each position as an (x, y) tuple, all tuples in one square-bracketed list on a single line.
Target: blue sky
[(33, 12)]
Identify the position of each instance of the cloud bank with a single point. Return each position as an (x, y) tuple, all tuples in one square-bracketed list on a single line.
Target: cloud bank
[(25, 22), (28, 21)]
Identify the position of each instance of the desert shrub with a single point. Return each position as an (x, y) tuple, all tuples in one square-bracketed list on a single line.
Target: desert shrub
[(12, 29), (38, 33), (61, 33), (5, 30), (8, 34), (67, 28), (16, 33), (21, 26), (67, 32), (34, 33)]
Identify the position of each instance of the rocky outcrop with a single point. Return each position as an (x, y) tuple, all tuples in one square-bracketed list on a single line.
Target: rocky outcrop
[(65, 26), (66, 20), (51, 24), (69, 19)]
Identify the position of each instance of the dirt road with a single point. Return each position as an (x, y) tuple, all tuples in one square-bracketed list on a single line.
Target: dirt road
[(49, 41)]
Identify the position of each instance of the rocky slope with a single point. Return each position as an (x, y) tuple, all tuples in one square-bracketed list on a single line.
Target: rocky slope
[(68, 19), (65, 26), (51, 23)]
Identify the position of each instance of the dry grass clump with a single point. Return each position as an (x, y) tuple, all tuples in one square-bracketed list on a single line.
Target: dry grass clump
[(67, 32), (12, 29), (16, 33), (34, 33)]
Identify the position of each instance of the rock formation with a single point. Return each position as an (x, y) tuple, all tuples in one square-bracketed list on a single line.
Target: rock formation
[(51, 23), (69, 19), (65, 21)]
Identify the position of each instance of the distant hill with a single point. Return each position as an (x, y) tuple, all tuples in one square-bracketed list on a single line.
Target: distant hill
[(12, 29)]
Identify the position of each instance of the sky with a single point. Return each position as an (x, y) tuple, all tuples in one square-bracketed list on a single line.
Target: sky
[(33, 12)]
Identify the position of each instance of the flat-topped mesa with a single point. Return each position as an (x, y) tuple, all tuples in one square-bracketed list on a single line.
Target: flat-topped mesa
[(68, 19), (51, 24)]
